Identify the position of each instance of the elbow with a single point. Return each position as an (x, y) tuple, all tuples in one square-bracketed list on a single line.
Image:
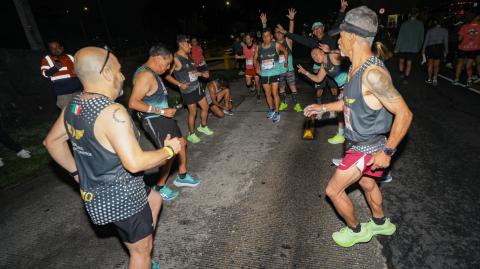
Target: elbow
[(133, 167), (409, 116)]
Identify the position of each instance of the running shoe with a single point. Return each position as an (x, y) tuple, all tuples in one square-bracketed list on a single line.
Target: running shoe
[(241, 73), (193, 138), (24, 154), (428, 81), (1, 162), (388, 228), (283, 106), (337, 161), (276, 117), (469, 83), (347, 238), (456, 83), (252, 90), (258, 97), (474, 77), (205, 130), (228, 112), (298, 108), (166, 193), (476, 80), (337, 139), (434, 83), (155, 264), (388, 177), (188, 181), (270, 113)]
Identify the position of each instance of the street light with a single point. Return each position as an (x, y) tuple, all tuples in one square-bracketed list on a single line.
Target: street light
[(227, 3), (85, 8)]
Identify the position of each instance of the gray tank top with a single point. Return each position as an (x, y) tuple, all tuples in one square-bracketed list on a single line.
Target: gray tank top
[(110, 193), (187, 74), (361, 122)]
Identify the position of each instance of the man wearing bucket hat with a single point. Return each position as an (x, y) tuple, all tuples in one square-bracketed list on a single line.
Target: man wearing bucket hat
[(370, 105)]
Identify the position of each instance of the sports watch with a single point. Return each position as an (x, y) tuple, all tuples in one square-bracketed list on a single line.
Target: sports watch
[(389, 151)]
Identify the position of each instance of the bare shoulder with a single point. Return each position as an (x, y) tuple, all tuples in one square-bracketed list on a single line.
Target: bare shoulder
[(379, 83), (143, 77), (115, 114)]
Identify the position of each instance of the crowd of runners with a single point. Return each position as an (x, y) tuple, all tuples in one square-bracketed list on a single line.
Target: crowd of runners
[(372, 117)]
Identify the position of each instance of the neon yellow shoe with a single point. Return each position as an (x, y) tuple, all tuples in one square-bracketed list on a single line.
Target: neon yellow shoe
[(347, 238), (283, 106), (388, 228), (298, 108), (193, 138), (337, 139), (205, 130)]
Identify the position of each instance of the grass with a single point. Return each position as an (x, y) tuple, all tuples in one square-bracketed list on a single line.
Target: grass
[(17, 170)]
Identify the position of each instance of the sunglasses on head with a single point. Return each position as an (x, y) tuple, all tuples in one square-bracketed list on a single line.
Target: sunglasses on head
[(106, 58)]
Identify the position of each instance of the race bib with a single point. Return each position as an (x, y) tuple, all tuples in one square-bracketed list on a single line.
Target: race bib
[(268, 64), (249, 62), (193, 76), (281, 59)]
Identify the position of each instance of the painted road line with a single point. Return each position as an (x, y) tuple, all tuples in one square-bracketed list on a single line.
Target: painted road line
[(460, 84)]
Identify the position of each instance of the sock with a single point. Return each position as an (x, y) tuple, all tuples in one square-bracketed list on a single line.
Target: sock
[(182, 176), (203, 126), (341, 131), (379, 221), (319, 99), (356, 229), (283, 96), (294, 98)]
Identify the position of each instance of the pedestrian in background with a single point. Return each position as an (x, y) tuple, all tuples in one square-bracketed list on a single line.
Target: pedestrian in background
[(469, 47), (435, 49)]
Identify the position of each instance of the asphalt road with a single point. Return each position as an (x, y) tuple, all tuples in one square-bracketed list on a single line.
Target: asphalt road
[(262, 203)]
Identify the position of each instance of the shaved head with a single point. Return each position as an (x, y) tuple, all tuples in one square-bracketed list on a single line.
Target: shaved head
[(89, 61)]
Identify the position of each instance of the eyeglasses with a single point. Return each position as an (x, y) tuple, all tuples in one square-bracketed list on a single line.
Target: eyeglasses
[(106, 58)]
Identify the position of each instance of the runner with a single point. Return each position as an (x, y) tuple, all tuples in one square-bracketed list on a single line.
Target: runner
[(288, 77), (435, 48), (266, 61), (369, 101), (198, 58), (150, 98), (251, 76), (469, 47), (106, 152), (186, 78), (218, 90), (327, 68)]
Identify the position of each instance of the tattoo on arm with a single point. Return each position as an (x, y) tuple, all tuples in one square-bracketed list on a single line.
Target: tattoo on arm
[(381, 85), (115, 116)]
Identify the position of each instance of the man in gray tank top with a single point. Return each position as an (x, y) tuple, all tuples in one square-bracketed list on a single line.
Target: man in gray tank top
[(369, 104), (107, 157)]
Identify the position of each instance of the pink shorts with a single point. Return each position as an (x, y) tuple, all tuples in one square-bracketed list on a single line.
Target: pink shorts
[(250, 72), (360, 160)]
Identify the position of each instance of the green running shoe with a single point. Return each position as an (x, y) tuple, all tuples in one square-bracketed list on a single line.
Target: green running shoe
[(298, 108), (193, 138), (388, 228), (337, 139), (347, 238), (283, 106), (205, 130)]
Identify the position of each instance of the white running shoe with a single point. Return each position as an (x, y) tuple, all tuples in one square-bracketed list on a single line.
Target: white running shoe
[(336, 162), (1, 162), (24, 154)]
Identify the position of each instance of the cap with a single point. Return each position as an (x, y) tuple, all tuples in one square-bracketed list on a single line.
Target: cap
[(316, 25), (361, 21)]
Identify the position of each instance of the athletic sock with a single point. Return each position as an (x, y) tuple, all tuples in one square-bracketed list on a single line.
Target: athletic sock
[(294, 98), (379, 221), (182, 176), (283, 96), (341, 131), (356, 229), (319, 99)]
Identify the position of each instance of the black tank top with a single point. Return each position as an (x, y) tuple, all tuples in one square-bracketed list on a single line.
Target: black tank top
[(187, 74), (159, 98), (110, 193)]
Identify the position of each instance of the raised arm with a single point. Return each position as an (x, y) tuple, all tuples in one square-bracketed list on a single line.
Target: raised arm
[(291, 26), (379, 83), (263, 19)]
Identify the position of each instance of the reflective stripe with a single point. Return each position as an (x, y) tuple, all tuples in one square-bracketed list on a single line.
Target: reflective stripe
[(44, 67), (71, 57), (63, 69), (43, 73), (49, 60), (60, 77)]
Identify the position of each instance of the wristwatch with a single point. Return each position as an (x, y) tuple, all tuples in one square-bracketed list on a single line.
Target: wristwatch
[(389, 151), (162, 112)]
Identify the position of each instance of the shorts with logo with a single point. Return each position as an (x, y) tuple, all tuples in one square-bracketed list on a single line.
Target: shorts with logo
[(360, 154), (159, 127), (287, 78), (270, 79), (136, 227)]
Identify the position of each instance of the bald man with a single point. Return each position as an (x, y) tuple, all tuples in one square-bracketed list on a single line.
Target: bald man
[(106, 154)]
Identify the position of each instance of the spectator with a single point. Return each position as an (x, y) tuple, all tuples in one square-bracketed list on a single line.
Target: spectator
[(435, 48), (409, 43), (6, 140), (197, 56), (58, 67), (469, 47)]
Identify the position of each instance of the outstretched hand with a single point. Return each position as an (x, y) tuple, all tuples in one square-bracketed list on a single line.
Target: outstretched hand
[(343, 5), (263, 18), (301, 70), (291, 14)]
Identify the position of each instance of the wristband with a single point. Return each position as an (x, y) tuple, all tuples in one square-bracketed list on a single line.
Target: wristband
[(324, 109), (169, 151), (307, 73), (162, 112), (74, 173), (149, 109)]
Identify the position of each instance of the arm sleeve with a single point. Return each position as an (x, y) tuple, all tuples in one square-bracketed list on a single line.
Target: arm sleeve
[(305, 41)]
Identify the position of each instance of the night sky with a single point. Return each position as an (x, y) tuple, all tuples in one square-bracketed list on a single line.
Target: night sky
[(135, 23)]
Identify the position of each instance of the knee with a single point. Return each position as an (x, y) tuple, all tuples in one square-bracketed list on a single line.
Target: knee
[(142, 248), (366, 185), (331, 192), (183, 143)]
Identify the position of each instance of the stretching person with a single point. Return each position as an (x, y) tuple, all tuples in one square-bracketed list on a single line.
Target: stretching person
[(108, 156), (150, 98), (217, 91), (186, 78), (327, 68), (266, 60), (251, 76)]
